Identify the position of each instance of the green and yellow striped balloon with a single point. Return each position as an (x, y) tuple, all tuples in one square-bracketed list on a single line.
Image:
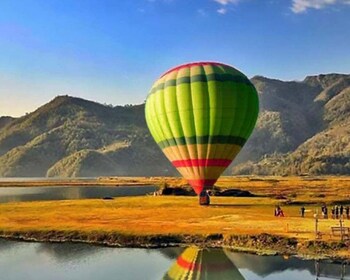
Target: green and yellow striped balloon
[(203, 264), (201, 114)]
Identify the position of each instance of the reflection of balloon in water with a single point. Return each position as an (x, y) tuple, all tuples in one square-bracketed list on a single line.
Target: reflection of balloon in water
[(197, 264), (201, 114)]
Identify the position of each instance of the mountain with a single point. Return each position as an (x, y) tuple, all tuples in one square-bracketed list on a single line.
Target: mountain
[(75, 137), (303, 127), (5, 121)]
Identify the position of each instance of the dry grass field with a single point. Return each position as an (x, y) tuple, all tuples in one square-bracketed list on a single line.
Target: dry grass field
[(151, 215), (162, 215), (303, 189)]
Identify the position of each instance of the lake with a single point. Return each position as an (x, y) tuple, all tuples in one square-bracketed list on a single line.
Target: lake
[(11, 194), (68, 261)]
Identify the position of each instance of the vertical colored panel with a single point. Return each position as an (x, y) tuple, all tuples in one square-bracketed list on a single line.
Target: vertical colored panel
[(154, 119), (242, 100), (172, 111), (200, 101), (184, 103)]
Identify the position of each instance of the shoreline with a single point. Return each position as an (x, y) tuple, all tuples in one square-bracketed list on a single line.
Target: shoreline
[(72, 183), (262, 244), (245, 224)]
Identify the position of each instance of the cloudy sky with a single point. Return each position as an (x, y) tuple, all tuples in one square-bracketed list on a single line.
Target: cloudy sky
[(111, 51)]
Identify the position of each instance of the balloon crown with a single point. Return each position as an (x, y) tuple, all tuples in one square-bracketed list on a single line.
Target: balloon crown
[(199, 63)]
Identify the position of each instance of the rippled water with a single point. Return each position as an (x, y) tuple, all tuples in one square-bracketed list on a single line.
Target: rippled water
[(49, 179), (53, 261), (8, 194)]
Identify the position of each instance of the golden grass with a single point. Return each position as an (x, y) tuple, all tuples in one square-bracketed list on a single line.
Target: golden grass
[(98, 220), (302, 189), (162, 215), (170, 215)]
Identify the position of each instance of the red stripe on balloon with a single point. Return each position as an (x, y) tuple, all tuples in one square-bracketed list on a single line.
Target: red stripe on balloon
[(188, 265), (199, 184), (211, 267), (193, 64), (202, 182), (201, 162)]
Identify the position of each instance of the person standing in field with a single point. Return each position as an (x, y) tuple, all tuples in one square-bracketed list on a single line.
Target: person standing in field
[(281, 214), (341, 210), (279, 211), (325, 212), (302, 211), (347, 211), (333, 212), (336, 211)]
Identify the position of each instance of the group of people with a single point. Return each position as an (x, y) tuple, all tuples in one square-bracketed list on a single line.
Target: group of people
[(336, 211)]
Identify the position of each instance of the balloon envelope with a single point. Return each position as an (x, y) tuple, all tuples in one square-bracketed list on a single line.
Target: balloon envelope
[(203, 264), (201, 114)]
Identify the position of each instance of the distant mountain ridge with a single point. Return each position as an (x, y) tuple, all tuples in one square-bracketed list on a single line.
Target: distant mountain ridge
[(5, 121), (74, 137), (303, 127), (307, 126)]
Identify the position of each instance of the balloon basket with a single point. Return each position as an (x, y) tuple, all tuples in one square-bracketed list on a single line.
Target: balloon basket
[(204, 198)]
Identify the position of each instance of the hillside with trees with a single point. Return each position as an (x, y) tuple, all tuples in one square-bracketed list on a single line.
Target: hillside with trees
[(303, 127), (74, 137)]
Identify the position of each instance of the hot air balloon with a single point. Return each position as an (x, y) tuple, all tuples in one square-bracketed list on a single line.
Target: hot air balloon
[(200, 264), (201, 114)]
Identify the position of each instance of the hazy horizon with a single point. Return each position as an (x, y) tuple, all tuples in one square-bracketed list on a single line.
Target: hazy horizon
[(139, 103)]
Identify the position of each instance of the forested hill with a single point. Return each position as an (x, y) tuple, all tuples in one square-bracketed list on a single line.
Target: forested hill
[(74, 137), (303, 127)]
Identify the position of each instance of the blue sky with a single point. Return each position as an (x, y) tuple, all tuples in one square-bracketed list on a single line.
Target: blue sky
[(112, 51)]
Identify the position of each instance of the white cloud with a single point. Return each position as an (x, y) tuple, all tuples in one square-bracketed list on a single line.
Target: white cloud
[(300, 6), (164, 1), (222, 11), (226, 2)]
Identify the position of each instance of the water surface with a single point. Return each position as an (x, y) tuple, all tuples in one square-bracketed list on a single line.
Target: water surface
[(49, 179), (11, 194), (54, 261)]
